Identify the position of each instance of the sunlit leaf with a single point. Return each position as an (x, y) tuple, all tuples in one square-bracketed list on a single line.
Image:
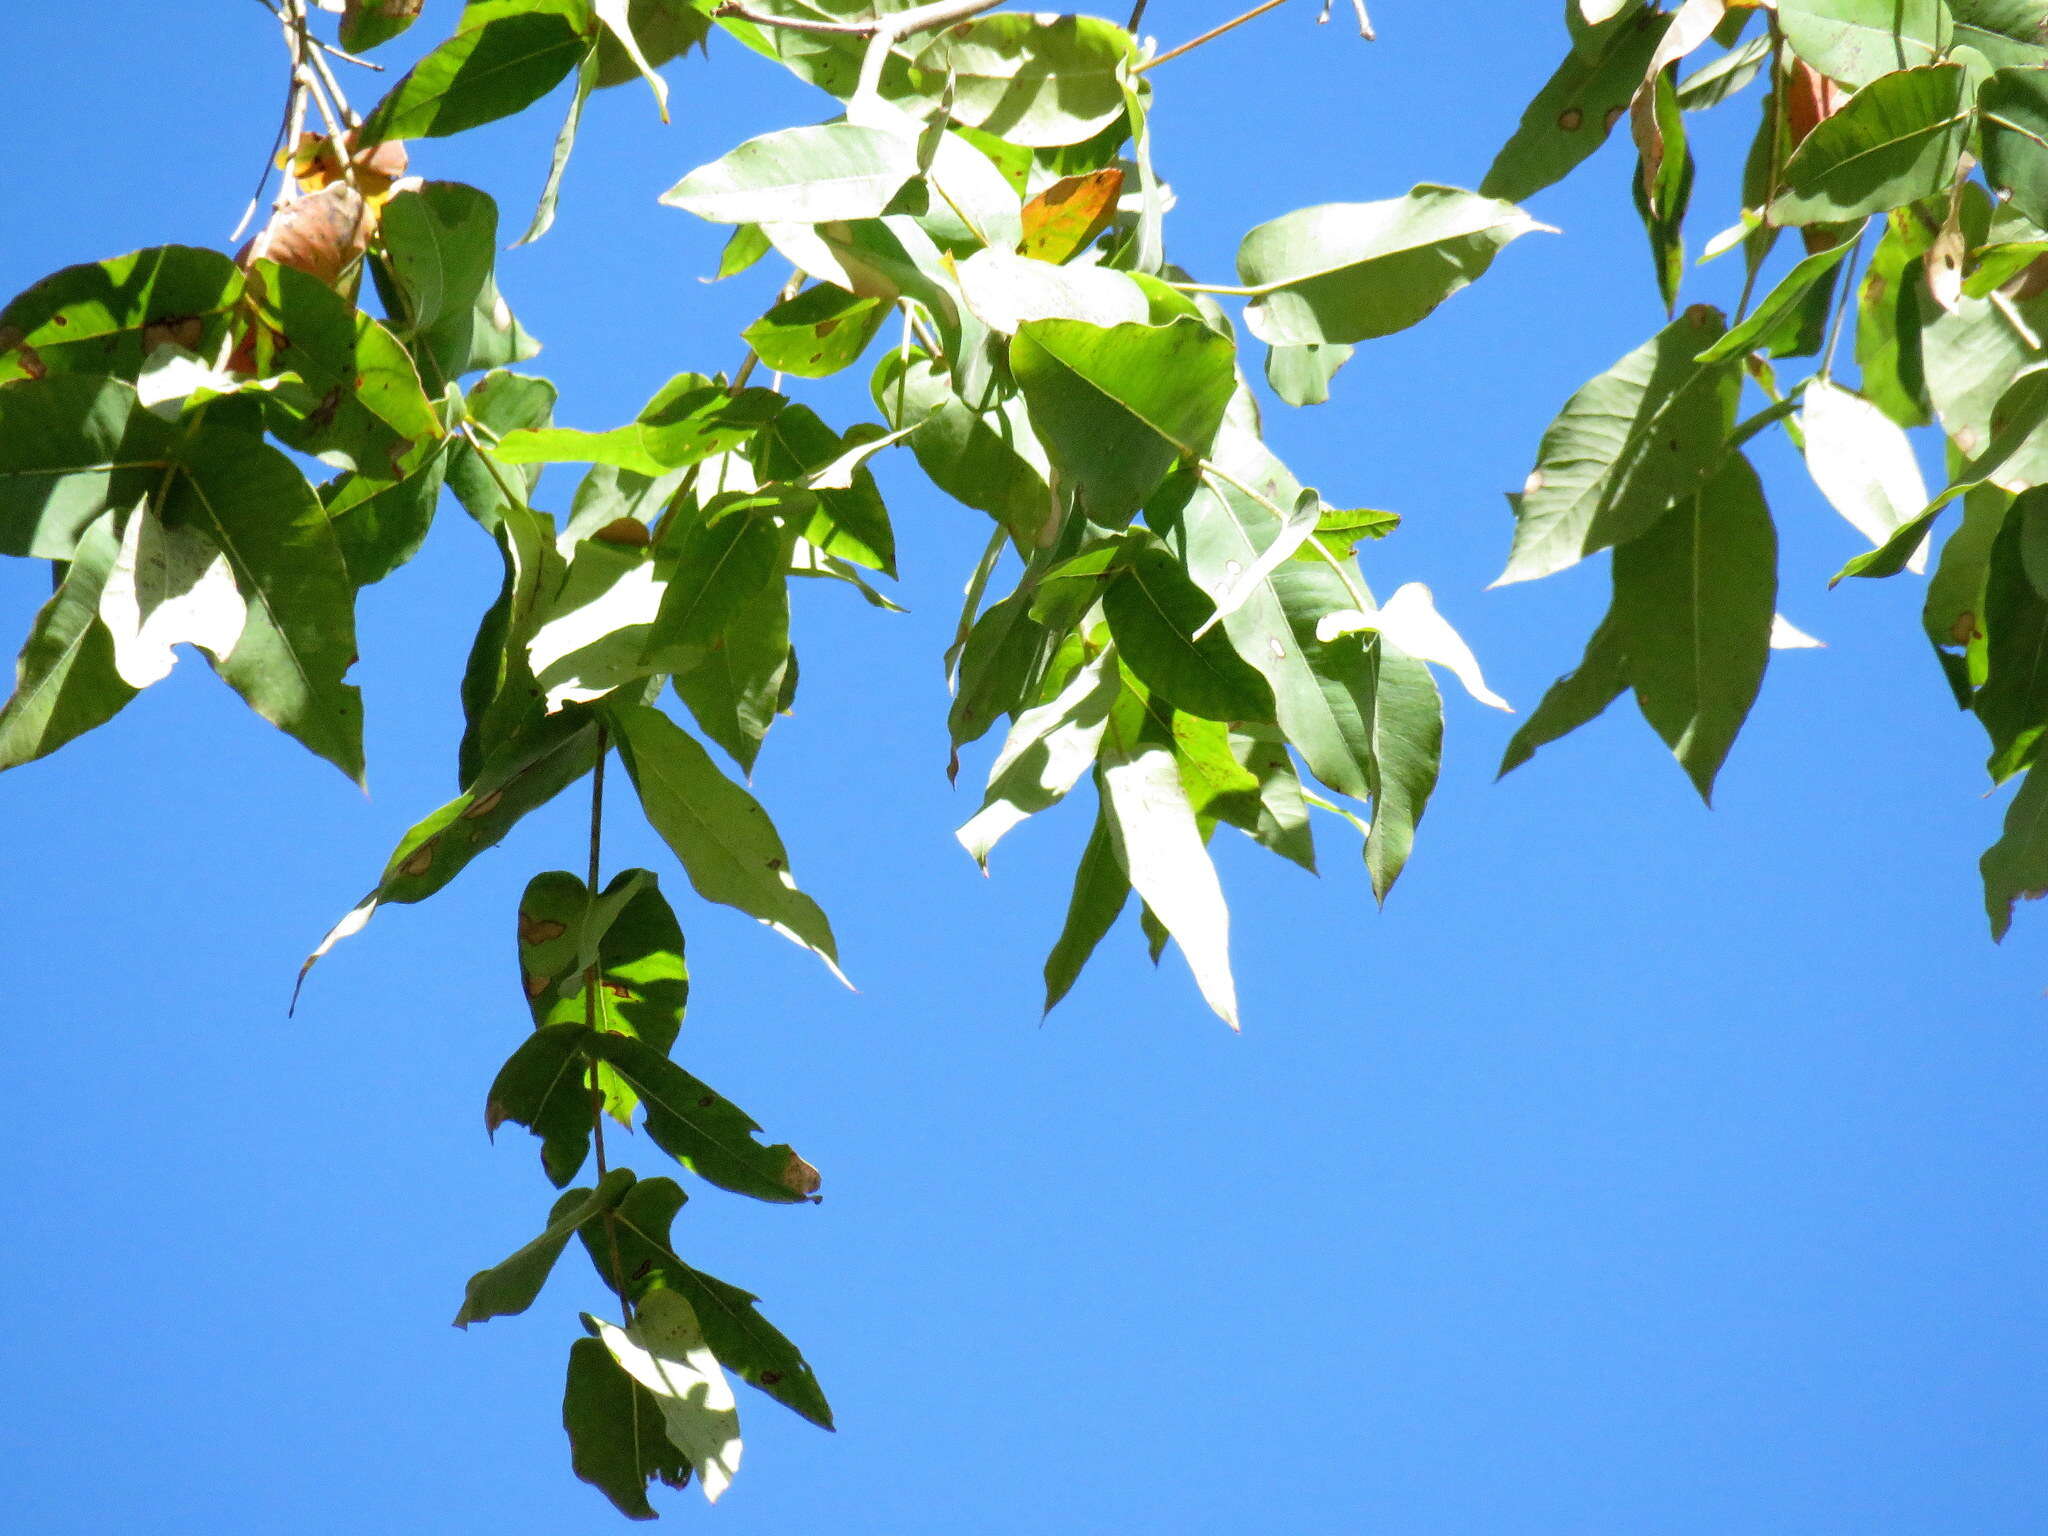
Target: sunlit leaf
[(1154, 610), (437, 279), (1101, 888), (818, 332), (664, 1352), (72, 449), (1064, 219), (66, 681), (1407, 742), (800, 176), (106, 317), (1857, 41), (507, 55), (1045, 754), (1579, 105), (1036, 80), (617, 1441), (689, 419), (1863, 463), (1896, 142)]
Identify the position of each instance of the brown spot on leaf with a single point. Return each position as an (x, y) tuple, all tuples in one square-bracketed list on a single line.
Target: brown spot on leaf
[(534, 985), (769, 1378), (707, 1101), (495, 1115), (623, 530), (185, 331), (1964, 630), (616, 988), (539, 930), (421, 861), (1614, 115), (825, 328), (799, 1177), (1571, 119), (1700, 316), (483, 807)]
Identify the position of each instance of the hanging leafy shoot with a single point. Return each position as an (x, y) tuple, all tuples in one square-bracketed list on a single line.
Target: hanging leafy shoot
[(1164, 615)]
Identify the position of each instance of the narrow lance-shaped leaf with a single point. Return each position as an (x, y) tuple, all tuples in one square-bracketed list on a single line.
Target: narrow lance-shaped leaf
[(1579, 696), (510, 1286), (565, 144), (1624, 448), (726, 843), (1780, 306), (1047, 751), (1407, 742), (1573, 113), (1154, 612), (1101, 888)]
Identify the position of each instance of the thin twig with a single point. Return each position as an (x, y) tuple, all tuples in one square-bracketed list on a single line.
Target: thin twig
[(923, 18), (1137, 15), (1208, 36), (590, 985)]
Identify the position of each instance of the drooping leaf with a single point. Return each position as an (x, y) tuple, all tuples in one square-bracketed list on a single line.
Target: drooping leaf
[(745, 1342), (72, 449), (545, 1086), (1101, 888), (1953, 614), (724, 558), (506, 56), (510, 1286), (1626, 445), (662, 29), (1662, 188), (710, 1135), (1301, 375), (2013, 702), (1154, 610), (1784, 303), (1862, 461), (727, 845), (1579, 105), (2015, 868), (1895, 142), (106, 317), (1347, 272), (1407, 741), (437, 279), (1714, 83), (2014, 110), (565, 144), (1029, 79), (365, 24), (1693, 601), (591, 634), (849, 519), (800, 176), (66, 681), (1045, 754), (1116, 406), (1280, 820), (989, 460), (1005, 290), (617, 1440), (996, 665), (1857, 41), (664, 1352), (735, 692)]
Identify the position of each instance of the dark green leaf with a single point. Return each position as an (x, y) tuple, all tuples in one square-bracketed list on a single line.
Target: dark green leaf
[(663, 1350), (382, 523), (510, 1286), (1781, 305), (1100, 890), (1693, 600), (2013, 105), (988, 460), (1896, 141), (2015, 868), (724, 558), (735, 692), (616, 1440), (436, 275), (72, 448), (1888, 321), (1407, 742), (996, 667), (1628, 444), (66, 682), (1116, 405), (1277, 819), (1714, 83), (507, 55), (850, 521), (1153, 610), (1575, 698), (1577, 107), (1663, 188), (545, 1086), (2013, 703), (366, 24), (2004, 31)]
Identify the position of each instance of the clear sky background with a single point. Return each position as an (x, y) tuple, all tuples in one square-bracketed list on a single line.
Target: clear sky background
[(1640, 1169)]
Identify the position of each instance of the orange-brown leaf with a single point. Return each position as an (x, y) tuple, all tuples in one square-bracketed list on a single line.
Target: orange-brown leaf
[(1062, 219), (323, 234)]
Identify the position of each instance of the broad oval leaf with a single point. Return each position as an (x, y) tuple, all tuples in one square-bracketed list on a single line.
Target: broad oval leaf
[(664, 1351), (1897, 141), (72, 448), (1034, 80), (1005, 290), (1347, 272), (800, 176), (1856, 41), (106, 317), (506, 56)]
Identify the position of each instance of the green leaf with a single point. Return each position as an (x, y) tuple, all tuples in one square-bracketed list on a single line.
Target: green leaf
[(1693, 600), (850, 520), (1781, 307), (989, 460), (1005, 290), (106, 317), (1578, 106), (2004, 31), (437, 279), (1407, 742), (1100, 890), (366, 24), (1856, 41), (1574, 699), (708, 1134), (1626, 445), (2014, 109), (1154, 610), (1888, 321), (745, 1342), (1322, 692), (1953, 614), (724, 558), (620, 40), (735, 692), (507, 55), (617, 1442), (545, 1086), (510, 1286), (1346, 272), (689, 419), (66, 681), (996, 666), (2015, 868), (1896, 141), (565, 144), (743, 247), (1115, 406), (1662, 188), (533, 763), (2013, 702), (592, 634), (820, 331), (664, 1352), (1152, 828), (1045, 754), (1891, 557), (1301, 375), (726, 843), (1278, 820), (382, 523), (501, 402), (500, 697), (1714, 83), (800, 176), (72, 449), (299, 637), (1031, 80)]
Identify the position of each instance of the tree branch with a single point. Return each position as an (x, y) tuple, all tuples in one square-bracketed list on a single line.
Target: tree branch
[(923, 18)]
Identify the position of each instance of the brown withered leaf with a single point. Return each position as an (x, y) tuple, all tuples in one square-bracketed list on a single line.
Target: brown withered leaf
[(323, 234), (1810, 99), (800, 1178), (1061, 220), (316, 164)]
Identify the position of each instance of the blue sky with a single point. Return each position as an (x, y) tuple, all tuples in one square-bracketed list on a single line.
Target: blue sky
[(1639, 1168)]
